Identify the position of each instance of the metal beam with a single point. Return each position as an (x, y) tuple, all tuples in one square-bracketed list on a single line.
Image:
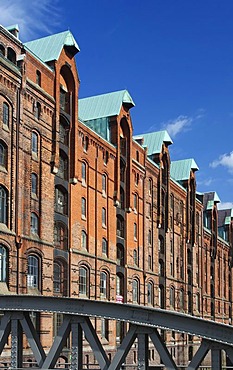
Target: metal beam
[(16, 344), (142, 351), (216, 359), (76, 346), (199, 355), (58, 344), (33, 338), (146, 316), (162, 350), (94, 342), (5, 329), (124, 348)]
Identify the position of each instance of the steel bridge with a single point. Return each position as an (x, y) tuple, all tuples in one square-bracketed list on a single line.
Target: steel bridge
[(144, 323)]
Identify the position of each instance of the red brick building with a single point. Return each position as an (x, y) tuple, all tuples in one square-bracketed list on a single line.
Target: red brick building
[(89, 210)]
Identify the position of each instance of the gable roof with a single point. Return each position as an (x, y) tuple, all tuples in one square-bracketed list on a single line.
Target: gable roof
[(180, 170), (154, 141), (224, 216), (209, 199), (49, 48), (104, 105)]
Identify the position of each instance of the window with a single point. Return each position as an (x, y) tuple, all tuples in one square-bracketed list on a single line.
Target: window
[(38, 110), (103, 284), (34, 224), (120, 227), (122, 198), (64, 132), (135, 287), (6, 116), (104, 246), (119, 287), (85, 143), (120, 254), (105, 157), (60, 277), (137, 155), (122, 171), (11, 55), (60, 235), (38, 78), (3, 263), (103, 217), (136, 179), (3, 205), (161, 268), (135, 202), (135, 231), (34, 143), (182, 299), (56, 277), (2, 50), (161, 244), (63, 166), (84, 208), (84, 173), (83, 281), (3, 155), (135, 257), (150, 187), (33, 272), (172, 297), (84, 240), (161, 296), (104, 329), (61, 200), (104, 184), (34, 184), (149, 237), (150, 293)]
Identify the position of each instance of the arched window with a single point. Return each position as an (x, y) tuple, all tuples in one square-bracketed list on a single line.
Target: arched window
[(3, 205), (172, 297), (84, 281), (60, 277), (161, 244), (63, 166), (3, 155), (38, 78), (135, 292), (2, 50), (3, 263), (150, 293), (83, 239), (60, 235), (104, 217), (34, 143), (84, 173), (61, 200), (103, 284), (11, 55), (38, 110), (63, 132), (33, 272), (182, 299), (122, 198), (34, 224), (120, 254), (135, 257), (161, 296), (104, 184), (6, 114), (84, 208), (119, 288), (120, 226), (34, 184), (161, 268), (104, 246)]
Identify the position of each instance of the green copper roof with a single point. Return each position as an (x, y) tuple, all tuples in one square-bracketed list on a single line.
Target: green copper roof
[(154, 141), (180, 170), (105, 105), (50, 47)]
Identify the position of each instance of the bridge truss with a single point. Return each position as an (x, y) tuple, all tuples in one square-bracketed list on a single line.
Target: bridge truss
[(144, 323)]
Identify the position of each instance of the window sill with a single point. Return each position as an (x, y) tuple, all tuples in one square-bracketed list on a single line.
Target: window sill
[(3, 169), (83, 218), (5, 127)]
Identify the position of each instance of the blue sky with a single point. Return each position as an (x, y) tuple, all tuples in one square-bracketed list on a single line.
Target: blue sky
[(175, 57)]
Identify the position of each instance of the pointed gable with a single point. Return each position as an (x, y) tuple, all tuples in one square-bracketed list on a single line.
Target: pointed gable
[(154, 141), (49, 48), (180, 170), (105, 105)]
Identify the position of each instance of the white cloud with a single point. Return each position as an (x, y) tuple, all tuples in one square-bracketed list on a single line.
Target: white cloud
[(205, 182), (225, 205), (177, 125), (33, 17), (225, 160)]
